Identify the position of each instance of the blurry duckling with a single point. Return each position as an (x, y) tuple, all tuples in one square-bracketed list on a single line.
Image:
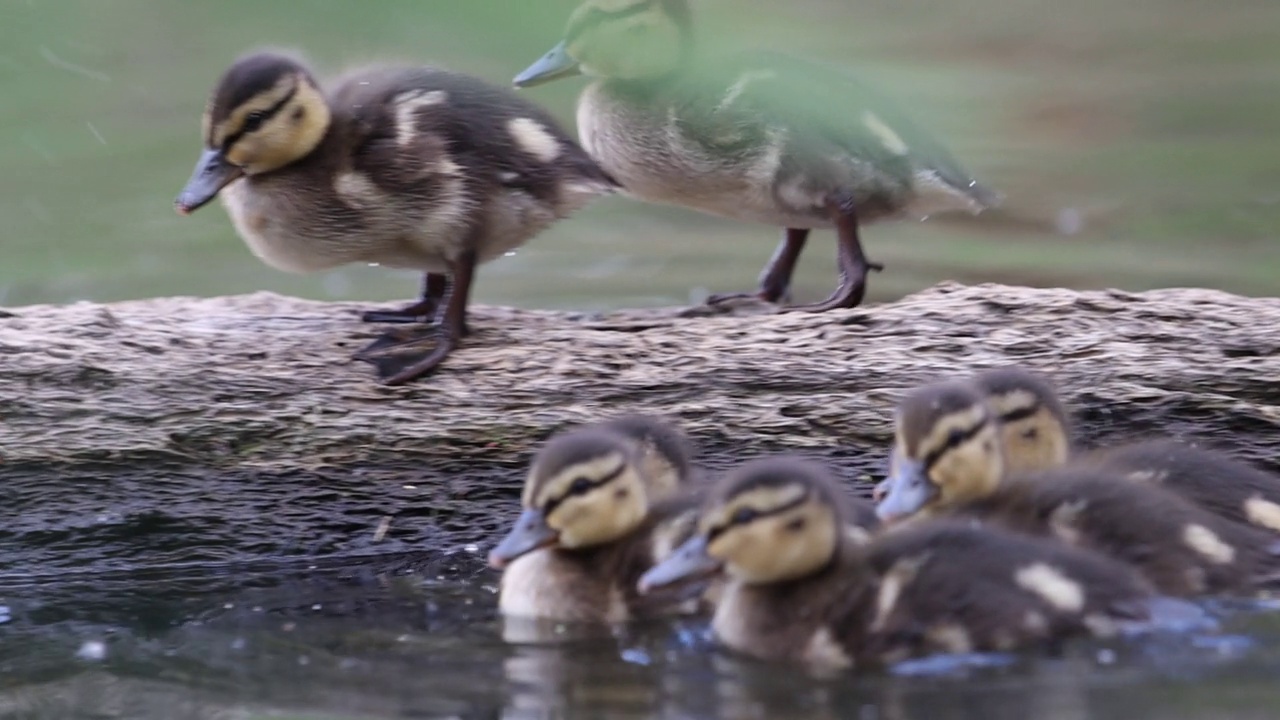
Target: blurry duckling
[(592, 523), (800, 589), (665, 453), (948, 461), (407, 167), (1036, 434), (758, 137)]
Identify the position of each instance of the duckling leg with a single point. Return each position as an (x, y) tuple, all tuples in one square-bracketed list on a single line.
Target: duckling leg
[(402, 361), (853, 264), (434, 286), (775, 280)]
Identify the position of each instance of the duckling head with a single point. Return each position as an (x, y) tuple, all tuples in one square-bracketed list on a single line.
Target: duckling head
[(770, 521), (664, 453), (585, 489), (946, 450), (265, 113), (620, 40), (1034, 430)]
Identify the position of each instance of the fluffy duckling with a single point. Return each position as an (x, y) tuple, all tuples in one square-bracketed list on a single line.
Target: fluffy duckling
[(799, 589), (1036, 434), (408, 167), (757, 137), (593, 521), (666, 455), (948, 461)]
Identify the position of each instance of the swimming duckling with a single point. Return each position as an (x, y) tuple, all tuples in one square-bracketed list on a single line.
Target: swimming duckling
[(666, 455), (799, 589), (1037, 435), (407, 167), (948, 461), (592, 523), (758, 137)]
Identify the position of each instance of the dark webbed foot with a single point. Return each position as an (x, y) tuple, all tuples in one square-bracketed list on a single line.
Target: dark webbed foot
[(775, 280), (402, 356), (434, 287), (853, 264)]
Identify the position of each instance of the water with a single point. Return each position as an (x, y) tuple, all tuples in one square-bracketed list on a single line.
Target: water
[(423, 640)]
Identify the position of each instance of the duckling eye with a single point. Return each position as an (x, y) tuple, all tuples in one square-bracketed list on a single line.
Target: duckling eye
[(254, 120), (580, 486), (744, 516), (954, 437)]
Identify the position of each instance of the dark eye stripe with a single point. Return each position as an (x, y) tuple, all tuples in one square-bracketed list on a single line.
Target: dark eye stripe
[(954, 439), (757, 514), (1021, 413), (266, 115), (607, 478)]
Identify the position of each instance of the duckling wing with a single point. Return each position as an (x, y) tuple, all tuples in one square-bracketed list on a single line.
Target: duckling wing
[(822, 111)]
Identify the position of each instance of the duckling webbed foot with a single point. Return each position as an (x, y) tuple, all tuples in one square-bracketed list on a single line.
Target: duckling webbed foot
[(853, 263), (434, 287), (775, 280), (402, 356)]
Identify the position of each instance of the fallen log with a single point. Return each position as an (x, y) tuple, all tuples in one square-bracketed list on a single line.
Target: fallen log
[(241, 424)]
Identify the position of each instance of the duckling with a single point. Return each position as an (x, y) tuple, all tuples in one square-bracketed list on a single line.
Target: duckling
[(948, 461), (799, 589), (666, 455), (757, 137), (593, 521), (1036, 434), (407, 167)]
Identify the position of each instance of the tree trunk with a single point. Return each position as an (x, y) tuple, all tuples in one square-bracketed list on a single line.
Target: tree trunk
[(238, 429)]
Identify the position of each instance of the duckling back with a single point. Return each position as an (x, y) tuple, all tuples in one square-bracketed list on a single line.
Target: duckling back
[(950, 586), (1181, 548), (1224, 486)]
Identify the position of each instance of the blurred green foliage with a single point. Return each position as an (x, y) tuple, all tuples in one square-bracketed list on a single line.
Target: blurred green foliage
[(1153, 122)]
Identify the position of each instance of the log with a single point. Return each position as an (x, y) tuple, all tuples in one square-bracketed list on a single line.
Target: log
[(237, 429)]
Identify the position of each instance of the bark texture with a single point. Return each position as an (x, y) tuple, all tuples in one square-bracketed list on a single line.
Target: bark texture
[(193, 414)]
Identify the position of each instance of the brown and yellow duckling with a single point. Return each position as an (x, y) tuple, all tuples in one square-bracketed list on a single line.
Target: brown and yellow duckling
[(407, 167), (948, 461), (1037, 436), (800, 588), (757, 137), (593, 521)]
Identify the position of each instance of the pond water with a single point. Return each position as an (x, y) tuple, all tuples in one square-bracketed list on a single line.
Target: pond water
[(419, 638)]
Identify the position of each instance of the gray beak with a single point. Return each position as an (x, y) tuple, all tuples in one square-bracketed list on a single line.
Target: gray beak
[(905, 492), (554, 65), (690, 561), (530, 533), (212, 173)]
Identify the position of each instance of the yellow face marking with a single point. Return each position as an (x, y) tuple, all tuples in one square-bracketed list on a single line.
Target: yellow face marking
[(261, 102), (558, 485), (890, 139), (1263, 513), (1054, 587), (761, 500), (534, 139), (1013, 401), (1207, 543), (963, 421)]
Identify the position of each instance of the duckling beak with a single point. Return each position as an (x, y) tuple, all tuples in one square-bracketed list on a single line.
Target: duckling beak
[(212, 173), (554, 65), (688, 562), (905, 491), (530, 533)]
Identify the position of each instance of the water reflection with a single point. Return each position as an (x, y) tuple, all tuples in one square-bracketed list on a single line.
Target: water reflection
[(381, 642)]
